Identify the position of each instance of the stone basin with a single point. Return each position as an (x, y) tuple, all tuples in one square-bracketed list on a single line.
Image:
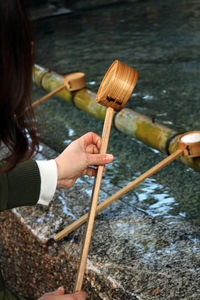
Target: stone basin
[(132, 255)]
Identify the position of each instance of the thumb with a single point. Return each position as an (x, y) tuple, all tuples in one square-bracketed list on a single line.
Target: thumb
[(59, 291), (99, 159)]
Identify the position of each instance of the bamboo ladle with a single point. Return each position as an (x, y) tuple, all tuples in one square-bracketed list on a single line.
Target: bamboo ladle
[(72, 82), (114, 91), (189, 145)]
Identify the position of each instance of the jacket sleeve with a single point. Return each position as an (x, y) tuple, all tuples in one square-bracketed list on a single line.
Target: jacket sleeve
[(20, 186)]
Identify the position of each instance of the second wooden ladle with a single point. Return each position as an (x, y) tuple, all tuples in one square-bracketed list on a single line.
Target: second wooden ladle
[(72, 82), (189, 146)]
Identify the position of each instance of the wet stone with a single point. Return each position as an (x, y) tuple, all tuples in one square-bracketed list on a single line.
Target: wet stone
[(132, 255)]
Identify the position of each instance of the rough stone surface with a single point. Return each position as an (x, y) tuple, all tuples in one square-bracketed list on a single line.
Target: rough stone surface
[(132, 255)]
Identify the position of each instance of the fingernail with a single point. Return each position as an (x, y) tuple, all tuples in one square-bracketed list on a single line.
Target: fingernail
[(61, 288), (110, 156)]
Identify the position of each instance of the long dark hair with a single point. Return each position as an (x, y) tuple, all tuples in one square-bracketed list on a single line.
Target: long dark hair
[(17, 125)]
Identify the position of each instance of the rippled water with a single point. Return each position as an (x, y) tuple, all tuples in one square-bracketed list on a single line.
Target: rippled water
[(162, 40)]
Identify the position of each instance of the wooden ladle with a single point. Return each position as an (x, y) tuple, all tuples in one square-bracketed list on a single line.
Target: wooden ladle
[(189, 146), (114, 91), (72, 82)]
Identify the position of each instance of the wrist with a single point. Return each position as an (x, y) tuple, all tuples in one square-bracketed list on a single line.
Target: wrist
[(63, 181)]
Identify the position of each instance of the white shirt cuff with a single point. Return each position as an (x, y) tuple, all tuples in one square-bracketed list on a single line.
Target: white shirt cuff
[(48, 174)]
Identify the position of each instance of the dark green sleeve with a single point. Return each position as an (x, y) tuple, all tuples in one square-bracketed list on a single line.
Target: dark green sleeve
[(20, 186)]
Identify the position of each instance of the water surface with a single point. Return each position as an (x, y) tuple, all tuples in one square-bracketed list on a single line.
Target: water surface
[(162, 40)]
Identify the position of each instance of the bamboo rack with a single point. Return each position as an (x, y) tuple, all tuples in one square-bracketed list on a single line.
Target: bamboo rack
[(127, 121)]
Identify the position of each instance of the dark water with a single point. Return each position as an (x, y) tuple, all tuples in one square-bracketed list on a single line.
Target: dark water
[(162, 40)]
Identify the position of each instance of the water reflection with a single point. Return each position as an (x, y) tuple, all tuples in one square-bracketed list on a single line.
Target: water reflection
[(49, 216), (147, 97), (154, 198), (65, 209)]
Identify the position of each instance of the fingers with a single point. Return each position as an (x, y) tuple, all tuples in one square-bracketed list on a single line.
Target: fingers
[(65, 183), (59, 295), (92, 149), (76, 160), (99, 159), (89, 172), (59, 291), (91, 138)]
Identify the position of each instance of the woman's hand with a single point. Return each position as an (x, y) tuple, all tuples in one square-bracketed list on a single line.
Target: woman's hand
[(78, 158), (59, 294)]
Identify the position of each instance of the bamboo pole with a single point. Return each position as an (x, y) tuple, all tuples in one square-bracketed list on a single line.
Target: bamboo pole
[(127, 121), (119, 194)]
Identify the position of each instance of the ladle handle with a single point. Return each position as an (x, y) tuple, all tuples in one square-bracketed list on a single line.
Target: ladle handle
[(94, 200), (49, 95), (118, 194)]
